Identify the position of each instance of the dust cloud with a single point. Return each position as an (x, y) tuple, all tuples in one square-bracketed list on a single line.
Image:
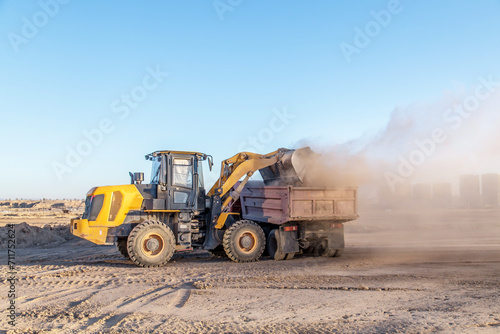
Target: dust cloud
[(421, 143), (401, 170)]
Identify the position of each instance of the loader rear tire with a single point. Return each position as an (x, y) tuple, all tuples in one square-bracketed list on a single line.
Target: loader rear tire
[(244, 241), (274, 248), (121, 244), (151, 244)]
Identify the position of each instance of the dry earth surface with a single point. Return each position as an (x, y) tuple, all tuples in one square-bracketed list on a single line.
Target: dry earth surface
[(436, 271)]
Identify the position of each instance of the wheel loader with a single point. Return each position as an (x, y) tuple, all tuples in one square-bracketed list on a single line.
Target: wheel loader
[(235, 218)]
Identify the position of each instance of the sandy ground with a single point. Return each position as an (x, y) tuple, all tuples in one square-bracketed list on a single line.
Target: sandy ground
[(401, 272)]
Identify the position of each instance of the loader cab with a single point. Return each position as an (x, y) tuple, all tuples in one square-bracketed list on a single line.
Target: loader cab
[(178, 177)]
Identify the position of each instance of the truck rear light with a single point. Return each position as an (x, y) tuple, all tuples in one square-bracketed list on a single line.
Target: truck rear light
[(290, 228), (336, 225)]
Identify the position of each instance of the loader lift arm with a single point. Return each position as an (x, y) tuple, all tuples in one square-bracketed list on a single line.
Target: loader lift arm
[(283, 166)]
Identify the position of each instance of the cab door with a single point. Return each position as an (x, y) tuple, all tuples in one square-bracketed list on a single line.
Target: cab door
[(181, 182)]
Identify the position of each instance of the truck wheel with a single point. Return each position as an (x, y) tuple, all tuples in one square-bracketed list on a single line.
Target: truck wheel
[(244, 241), (151, 244), (121, 244), (328, 252), (274, 248), (332, 252)]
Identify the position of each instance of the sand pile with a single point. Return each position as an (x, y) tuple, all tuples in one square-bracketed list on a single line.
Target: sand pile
[(31, 236)]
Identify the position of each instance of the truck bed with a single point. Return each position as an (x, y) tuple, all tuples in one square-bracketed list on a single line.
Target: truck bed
[(281, 204)]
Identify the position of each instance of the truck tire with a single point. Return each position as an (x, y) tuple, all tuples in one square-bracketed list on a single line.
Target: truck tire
[(328, 252), (244, 241), (151, 244), (121, 244), (332, 252), (339, 252), (274, 248)]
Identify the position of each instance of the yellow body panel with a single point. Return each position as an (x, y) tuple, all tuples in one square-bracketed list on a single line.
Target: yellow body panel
[(132, 200), (81, 228), (96, 231)]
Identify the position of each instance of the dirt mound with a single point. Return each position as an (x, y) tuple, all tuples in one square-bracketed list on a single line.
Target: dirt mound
[(33, 236), (23, 205)]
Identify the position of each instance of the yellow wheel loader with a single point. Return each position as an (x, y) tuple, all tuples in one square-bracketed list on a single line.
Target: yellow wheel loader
[(174, 212)]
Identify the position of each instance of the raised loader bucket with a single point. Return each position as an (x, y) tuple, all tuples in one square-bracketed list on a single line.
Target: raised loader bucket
[(290, 169)]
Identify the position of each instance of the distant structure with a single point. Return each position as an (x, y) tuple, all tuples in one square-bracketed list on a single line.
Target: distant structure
[(403, 196), (475, 191), (403, 191), (470, 191), (422, 194), (490, 185), (441, 195), (385, 197)]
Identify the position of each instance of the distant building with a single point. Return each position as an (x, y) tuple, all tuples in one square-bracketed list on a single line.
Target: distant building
[(422, 194), (470, 191), (442, 195), (385, 196), (403, 195), (490, 185), (422, 191), (403, 191)]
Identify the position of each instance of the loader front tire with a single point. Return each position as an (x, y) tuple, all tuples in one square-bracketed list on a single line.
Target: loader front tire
[(151, 244), (121, 244), (244, 241)]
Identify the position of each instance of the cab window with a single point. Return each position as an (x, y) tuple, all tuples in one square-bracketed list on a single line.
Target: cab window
[(182, 173)]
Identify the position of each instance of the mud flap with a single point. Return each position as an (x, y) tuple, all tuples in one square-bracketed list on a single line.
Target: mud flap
[(288, 241), (336, 238)]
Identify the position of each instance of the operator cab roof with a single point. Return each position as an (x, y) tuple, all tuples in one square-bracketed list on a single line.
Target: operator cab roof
[(150, 156)]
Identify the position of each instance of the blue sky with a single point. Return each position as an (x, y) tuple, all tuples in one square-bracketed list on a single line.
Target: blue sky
[(234, 69)]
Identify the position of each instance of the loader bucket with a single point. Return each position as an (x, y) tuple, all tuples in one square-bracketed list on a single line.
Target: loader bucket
[(290, 169)]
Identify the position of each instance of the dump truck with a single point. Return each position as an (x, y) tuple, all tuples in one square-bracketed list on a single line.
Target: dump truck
[(300, 219), (235, 218)]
